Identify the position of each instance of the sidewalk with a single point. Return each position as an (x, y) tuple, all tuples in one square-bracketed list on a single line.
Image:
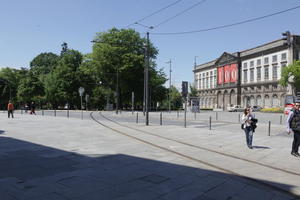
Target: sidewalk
[(43, 158)]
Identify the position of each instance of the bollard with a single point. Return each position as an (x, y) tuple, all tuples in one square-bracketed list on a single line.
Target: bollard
[(195, 115), (177, 113), (137, 117), (216, 115), (54, 113), (280, 119), (43, 112), (269, 129), (209, 122), (239, 120), (68, 114), (160, 118)]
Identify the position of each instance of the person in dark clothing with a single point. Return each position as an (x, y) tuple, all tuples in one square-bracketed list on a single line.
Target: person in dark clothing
[(293, 125), (32, 106)]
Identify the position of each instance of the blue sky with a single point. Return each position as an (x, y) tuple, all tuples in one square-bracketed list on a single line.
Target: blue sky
[(31, 27)]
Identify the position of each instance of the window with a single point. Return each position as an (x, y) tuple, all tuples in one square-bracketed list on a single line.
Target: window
[(199, 82), (267, 73), (258, 73), (251, 75), (245, 76), (266, 60), (211, 73), (245, 65), (207, 82), (258, 62), (275, 67), (252, 63), (283, 57), (274, 58), (210, 82), (215, 72)]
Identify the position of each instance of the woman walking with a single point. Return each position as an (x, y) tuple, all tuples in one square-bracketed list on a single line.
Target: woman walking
[(247, 126)]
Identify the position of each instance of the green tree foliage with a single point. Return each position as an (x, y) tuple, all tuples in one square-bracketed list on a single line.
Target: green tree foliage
[(193, 90), (43, 64), (9, 81), (291, 72), (67, 78), (175, 99), (30, 88), (121, 53)]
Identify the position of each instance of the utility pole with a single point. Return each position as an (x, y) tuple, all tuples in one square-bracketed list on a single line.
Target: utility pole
[(117, 92), (147, 80), (170, 82)]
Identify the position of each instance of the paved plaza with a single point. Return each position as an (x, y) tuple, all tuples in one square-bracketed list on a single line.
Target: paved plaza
[(60, 158)]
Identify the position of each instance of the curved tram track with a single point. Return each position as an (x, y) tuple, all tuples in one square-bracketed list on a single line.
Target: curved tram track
[(271, 186)]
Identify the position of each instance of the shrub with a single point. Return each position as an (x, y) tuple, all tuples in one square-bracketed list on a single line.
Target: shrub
[(272, 110)]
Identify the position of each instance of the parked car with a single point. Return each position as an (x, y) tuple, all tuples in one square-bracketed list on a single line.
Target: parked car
[(235, 108), (256, 108)]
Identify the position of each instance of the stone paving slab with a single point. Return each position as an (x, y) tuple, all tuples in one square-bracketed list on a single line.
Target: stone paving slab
[(61, 158)]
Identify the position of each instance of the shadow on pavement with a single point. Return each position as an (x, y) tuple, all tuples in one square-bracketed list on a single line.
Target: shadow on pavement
[(35, 172), (260, 147)]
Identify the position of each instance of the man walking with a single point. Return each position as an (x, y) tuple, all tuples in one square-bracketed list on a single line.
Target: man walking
[(10, 109), (293, 125)]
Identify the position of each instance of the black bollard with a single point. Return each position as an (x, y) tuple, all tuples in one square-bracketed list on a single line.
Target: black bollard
[(239, 120), (209, 122), (137, 117), (280, 119), (269, 129), (43, 112), (54, 113), (160, 118), (68, 114)]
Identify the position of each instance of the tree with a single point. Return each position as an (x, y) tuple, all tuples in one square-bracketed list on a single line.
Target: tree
[(67, 75), (193, 92), (30, 88), (122, 52), (175, 99), (43, 64), (291, 75)]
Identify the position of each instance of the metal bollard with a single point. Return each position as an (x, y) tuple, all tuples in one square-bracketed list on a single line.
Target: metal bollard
[(209, 122), (43, 112), (68, 114), (160, 118), (280, 119), (239, 118), (216, 115), (177, 113), (137, 117), (269, 129), (54, 113)]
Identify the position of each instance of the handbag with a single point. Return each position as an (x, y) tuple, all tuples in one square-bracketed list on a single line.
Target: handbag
[(242, 126)]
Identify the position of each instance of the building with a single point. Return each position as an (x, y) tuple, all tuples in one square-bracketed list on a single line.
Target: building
[(247, 78)]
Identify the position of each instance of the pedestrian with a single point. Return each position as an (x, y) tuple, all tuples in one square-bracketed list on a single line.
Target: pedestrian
[(26, 107), (293, 126), (248, 125), (32, 106), (10, 109)]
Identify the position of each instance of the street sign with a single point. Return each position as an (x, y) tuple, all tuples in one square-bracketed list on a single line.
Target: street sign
[(81, 91), (184, 88)]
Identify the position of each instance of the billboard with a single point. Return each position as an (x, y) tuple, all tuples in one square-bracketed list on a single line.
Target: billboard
[(227, 74)]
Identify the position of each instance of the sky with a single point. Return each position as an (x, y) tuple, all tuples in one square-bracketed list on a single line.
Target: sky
[(31, 27)]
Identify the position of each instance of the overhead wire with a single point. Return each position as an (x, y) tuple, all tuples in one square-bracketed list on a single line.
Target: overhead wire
[(228, 25), (180, 13), (150, 15)]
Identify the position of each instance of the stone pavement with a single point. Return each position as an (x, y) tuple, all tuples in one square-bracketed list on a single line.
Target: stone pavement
[(45, 157)]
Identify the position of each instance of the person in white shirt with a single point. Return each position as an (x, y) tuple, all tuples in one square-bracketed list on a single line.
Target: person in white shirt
[(246, 120)]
